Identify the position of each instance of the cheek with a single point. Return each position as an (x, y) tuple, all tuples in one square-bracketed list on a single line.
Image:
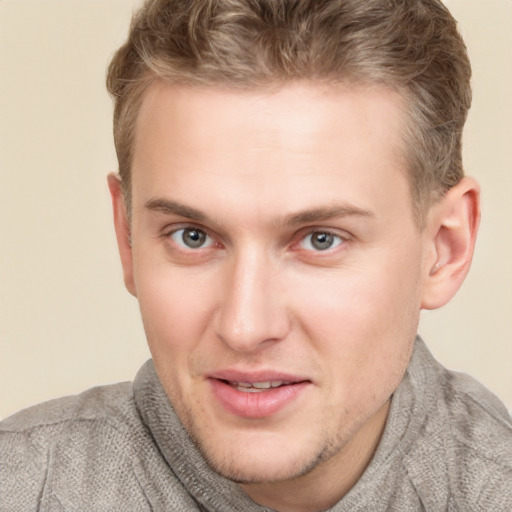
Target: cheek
[(175, 307), (357, 302), (362, 321)]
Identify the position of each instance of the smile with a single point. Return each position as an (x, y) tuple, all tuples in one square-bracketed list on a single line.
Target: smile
[(257, 398)]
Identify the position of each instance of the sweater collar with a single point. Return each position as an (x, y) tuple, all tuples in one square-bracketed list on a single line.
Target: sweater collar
[(215, 493)]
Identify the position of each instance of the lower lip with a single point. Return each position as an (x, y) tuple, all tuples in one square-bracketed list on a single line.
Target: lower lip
[(256, 404)]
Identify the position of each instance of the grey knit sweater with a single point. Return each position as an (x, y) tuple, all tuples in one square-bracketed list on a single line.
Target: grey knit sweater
[(447, 446)]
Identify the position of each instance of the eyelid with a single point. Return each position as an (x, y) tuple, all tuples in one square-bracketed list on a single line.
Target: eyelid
[(176, 226)]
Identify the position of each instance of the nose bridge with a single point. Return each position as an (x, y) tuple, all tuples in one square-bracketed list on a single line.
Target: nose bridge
[(251, 310)]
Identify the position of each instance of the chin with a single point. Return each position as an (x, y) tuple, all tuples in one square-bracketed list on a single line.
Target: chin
[(263, 460), (271, 470)]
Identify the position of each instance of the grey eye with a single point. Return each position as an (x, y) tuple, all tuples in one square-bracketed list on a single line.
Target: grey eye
[(320, 241), (191, 238)]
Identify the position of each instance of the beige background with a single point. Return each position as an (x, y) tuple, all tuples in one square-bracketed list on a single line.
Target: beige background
[(66, 322)]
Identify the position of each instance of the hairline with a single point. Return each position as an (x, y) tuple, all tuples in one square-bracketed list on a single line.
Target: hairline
[(419, 208)]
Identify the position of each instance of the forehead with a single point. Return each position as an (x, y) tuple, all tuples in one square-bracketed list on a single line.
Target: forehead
[(285, 144), (300, 107)]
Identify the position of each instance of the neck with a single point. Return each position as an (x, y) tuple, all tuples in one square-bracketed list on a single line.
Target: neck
[(330, 480)]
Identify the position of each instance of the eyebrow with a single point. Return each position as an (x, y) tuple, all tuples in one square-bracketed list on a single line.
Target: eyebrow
[(169, 207), (175, 208), (329, 212)]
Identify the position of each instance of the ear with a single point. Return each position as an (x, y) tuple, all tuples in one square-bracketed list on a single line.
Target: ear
[(451, 229), (122, 227)]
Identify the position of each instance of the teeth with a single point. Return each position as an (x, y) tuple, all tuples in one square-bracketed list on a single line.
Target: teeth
[(261, 385), (242, 384), (256, 386)]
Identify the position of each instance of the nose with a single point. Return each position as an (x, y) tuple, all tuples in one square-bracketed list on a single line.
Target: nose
[(252, 310)]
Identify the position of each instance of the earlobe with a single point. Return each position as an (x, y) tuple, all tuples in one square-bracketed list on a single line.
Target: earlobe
[(451, 231), (122, 227)]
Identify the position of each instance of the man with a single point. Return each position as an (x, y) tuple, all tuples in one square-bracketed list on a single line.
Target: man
[(290, 196)]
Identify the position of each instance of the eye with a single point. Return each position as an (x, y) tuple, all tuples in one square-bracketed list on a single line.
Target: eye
[(320, 241), (192, 238)]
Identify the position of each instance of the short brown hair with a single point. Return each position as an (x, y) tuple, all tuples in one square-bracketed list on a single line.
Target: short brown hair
[(410, 45)]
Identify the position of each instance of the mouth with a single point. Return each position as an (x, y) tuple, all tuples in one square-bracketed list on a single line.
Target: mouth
[(257, 397)]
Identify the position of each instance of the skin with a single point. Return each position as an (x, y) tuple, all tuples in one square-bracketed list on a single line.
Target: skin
[(259, 173)]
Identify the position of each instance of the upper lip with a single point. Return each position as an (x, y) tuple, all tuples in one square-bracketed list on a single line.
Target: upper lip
[(250, 377)]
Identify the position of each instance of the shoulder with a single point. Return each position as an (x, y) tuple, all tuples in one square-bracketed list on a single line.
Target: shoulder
[(480, 438), (95, 403), (84, 439), (464, 441), (477, 419), (105, 408)]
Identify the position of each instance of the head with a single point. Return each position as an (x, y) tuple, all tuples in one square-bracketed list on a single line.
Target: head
[(291, 196)]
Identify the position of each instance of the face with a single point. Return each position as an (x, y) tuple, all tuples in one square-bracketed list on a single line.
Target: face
[(278, 268)]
